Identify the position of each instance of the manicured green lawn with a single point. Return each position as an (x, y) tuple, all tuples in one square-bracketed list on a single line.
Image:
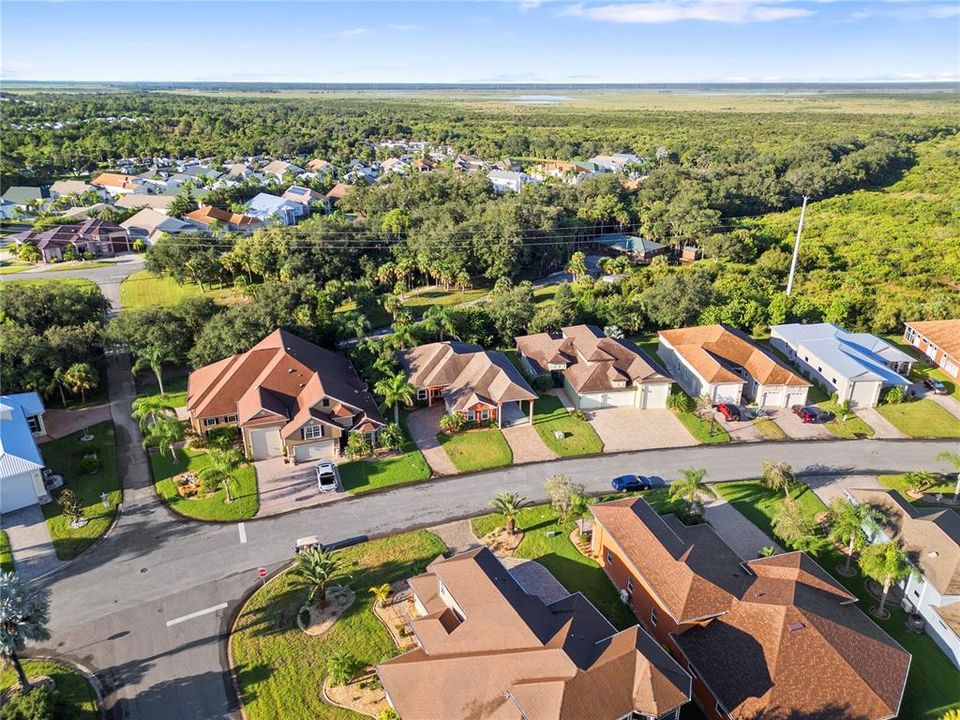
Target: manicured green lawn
[(769, 429), (64, 456), (360, 476), (921, 370), (703, 430), (6, 556), (579, 437), (80, 265), (849, 428), (377, 317), (419, 302), (543, 296), (76, 699), (212, 507), (922, 418), (79, 282), (144, 289), (175, 387), (8, 267), (473, 450), (271, 655), (934, 683), (899, 483)]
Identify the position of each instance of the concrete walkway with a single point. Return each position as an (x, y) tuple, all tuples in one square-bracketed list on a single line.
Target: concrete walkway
[(30, 543), (745, 538), (526, 444), (424, 425), (882, 428), (947, 402), (457, 536)]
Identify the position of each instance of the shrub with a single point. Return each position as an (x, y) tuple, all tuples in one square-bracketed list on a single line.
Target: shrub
[(579, 415), (391, 714), (895, 395), (88, 256), (90, 464), (542, 383), (138, 245), (391, 437), (340, 668), (221, 438), (209, 483), (38, 704), (68, 502), (680, 401), (451, 423), (358, 446)]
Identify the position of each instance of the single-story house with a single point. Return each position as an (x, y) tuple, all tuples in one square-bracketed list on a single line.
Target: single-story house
[(474, 383), (486, 648), (23, 196), (62, 188), (616, 162), (307, 197), (118, 183), (203, 218), (133, 201), (931, 539), (727, 366), (21, 465), (508, 180), (279, 168), (857, 366), (638, 249), (98, 237), (83, 213), (287, 397), (269, 208), (338, 192), (320, 166), (150, 224), (939, 340), (774, 637), (596, 371)]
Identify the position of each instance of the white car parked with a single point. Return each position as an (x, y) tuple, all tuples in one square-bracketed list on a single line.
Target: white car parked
[(328, 478)]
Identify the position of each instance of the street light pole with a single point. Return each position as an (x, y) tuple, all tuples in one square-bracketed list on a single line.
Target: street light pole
[(796, 246)]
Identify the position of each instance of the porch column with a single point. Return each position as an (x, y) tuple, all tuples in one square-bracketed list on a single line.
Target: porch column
[(429, 397), (500, 416), (531, 410)]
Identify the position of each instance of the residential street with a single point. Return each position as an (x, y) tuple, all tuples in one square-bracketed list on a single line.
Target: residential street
[(148, 607), (108, 277)]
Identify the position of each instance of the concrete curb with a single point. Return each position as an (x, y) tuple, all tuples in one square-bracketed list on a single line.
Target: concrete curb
[(66, 564)]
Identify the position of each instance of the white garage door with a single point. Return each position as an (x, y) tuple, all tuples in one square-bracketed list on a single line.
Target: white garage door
[(314, 451), (770, 398), (797, 398), (592, 401), (863, 395), (266, 443), (16, 492)]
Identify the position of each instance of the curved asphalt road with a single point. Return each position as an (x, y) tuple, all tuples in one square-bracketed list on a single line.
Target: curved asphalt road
[(108, 277)]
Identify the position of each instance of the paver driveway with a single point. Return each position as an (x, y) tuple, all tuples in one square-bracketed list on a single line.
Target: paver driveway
[(628, 429), (526, 444), (795, 428), (284, 487), (424, 425), (740, 430)]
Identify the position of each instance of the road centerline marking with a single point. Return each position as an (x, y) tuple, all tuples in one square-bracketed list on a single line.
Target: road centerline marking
[(243, 532), (198, 613)]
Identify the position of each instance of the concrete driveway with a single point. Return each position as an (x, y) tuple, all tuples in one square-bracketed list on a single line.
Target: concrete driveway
[(743, 537), (424, 425), (797, 429), (59, 422), (628, 429), (740, 430), (827, 488), (284, 487), (33, 553), (882, 428)]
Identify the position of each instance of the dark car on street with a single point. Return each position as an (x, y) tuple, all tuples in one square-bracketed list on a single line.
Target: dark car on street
[(627, 483), (730, 412)]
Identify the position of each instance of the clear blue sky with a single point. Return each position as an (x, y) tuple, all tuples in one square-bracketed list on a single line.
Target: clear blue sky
[(655, 41)]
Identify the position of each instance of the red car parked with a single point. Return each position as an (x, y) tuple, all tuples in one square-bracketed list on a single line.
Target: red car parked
[(729, 412), (805, 414)]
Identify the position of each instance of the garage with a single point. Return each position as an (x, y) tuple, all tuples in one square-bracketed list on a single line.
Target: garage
[(322, 450), (796, 397), (652, 396), (265, 443), (770, 398), (17, 491), (864, 394), (595, 401)]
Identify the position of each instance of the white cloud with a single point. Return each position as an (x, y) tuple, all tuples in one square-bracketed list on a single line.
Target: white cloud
[(666, 11), (350, 33)]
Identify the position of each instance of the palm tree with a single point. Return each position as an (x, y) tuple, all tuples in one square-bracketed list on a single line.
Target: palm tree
[(58, 383), (953, 459), (381, 593), (147, 410), (395, 390), (80, 377), (154, 357), (777, 476), (919, 481), (691, 488), (401, 337), (792, 526), (24, 614), (315, 568), (164, 433), (509, 505), (887, 564), (439, 320), (847, 522), (222, 464)]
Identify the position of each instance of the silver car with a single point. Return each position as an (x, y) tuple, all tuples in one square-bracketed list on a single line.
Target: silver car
[(328, 478)]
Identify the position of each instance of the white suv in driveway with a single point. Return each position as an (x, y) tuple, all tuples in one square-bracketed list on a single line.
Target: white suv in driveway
[(328, 478)]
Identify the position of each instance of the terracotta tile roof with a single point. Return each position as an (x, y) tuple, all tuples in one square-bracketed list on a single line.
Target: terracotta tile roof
[(594, 362), (467, 374), (715, 350), (945, 334), (283, 376), (318, 164), (930, 537), (523, 658), (116, 180), (339, 191), (689, 569), (794, 644), (209, 213)]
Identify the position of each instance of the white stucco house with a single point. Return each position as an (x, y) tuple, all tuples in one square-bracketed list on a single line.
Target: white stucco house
[(21, 465), (508, 180), (931, 539), (856, 366)]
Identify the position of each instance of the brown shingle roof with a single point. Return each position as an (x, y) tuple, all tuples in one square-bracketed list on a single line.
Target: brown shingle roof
[(339, 191), (714, 350), (945, 334), (522, 658)]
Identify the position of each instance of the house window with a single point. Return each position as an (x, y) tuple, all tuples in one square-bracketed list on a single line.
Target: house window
[(833, 380), (230, 418), (435, 392), (312, 432), (629, 585), (653, 617), (325, 402), (609, 558), (484, 414), (470, 416), (421, 394), (819, 369), (34, 423), (209, 422)]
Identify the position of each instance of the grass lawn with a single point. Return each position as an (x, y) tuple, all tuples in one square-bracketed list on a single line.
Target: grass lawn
[(79, 265), (377, 317), (934, 683), (144, 289), (648, 342), (418, 303), (769, 429), (921, 370), (175, 387), (473, 450), (549, 416), (8, 267), (271, 654), (922, 418), (211, 507), (899, 483), (702, 430), (544, 296), (360, 476), (64, 456), (849, 428), (76, 699), (6, 556)]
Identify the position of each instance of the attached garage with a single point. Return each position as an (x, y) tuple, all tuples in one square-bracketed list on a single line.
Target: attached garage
[(17, 491), (796, 397), (652, 396), (595, 401), (864, 394), (265, 443), (323, 450)]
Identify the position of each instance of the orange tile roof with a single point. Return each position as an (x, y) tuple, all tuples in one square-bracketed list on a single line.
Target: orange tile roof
[(339, 191), (115, 180), (945, 334), (209, 213)]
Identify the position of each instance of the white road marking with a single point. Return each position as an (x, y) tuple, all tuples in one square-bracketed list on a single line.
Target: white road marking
[(243, 533), (196, 614)]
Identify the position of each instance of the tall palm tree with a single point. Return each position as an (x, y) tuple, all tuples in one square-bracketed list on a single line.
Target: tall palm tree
[(887, 564), (24, 614), (147, 410), (439, 320), (154, 357), (395, 390), (509, 505), (164, 433), (953, 459), (315, 568), (691, 488), (401, 337), (847, 523), (777, 476), (80, 377)]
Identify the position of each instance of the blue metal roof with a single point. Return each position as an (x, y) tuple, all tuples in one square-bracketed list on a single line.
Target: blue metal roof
[(18, 449)]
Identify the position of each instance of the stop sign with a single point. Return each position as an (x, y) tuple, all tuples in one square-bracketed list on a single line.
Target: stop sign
[(261, 572)]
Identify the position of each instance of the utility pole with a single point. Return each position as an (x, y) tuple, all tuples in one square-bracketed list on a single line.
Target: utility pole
[(796, 246)]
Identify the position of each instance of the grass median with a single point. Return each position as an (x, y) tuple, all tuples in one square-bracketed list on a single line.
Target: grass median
[(75, 697), (245, 503)]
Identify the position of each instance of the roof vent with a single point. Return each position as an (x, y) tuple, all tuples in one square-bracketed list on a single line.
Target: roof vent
[(289, 370), (933, 554), (794, 627), (302, 386)]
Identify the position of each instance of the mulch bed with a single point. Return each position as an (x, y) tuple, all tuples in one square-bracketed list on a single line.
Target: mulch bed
[(364, 694), (339, 599), (502, 543)]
